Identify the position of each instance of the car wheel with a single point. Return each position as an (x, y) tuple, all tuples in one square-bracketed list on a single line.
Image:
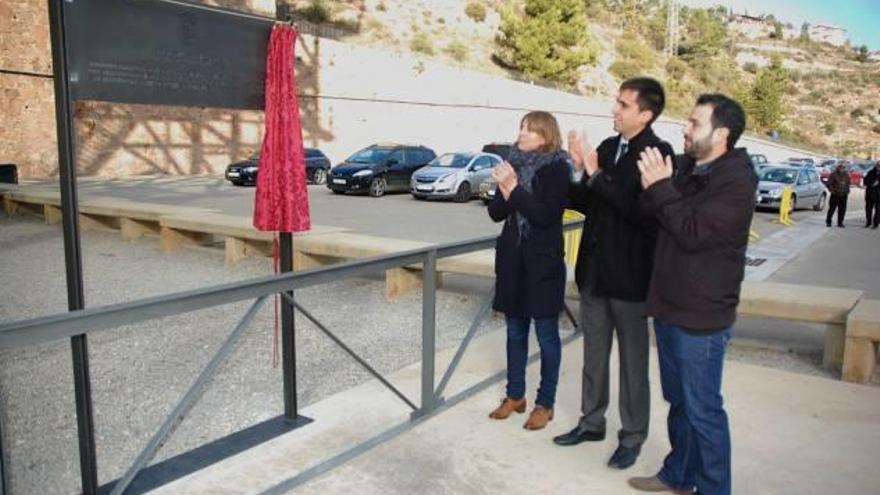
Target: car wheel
[(320, 176), (463, 194), (377, 187), (820, 205)]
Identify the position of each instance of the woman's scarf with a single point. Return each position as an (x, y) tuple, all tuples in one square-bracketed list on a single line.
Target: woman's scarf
[(526, 164)]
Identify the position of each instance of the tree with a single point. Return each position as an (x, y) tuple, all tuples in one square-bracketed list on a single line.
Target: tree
[(763, 101), (706, 31), (549, 40), (862, 55), (805, 33)]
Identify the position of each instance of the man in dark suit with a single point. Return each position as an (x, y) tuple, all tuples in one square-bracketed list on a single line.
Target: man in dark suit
[(614, 268), (872, 196)]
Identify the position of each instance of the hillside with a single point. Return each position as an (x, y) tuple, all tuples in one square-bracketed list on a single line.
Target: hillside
[(829, 101)]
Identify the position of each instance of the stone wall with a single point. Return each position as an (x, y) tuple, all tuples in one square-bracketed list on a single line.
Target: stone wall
[(111, 139)]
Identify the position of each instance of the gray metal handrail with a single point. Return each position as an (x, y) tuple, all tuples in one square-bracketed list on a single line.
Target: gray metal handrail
[(45, 329)]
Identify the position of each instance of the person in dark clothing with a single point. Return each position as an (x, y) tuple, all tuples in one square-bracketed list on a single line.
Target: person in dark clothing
[(838, 184), (704, 211), (872, 196), (614, 267), (529, 263)]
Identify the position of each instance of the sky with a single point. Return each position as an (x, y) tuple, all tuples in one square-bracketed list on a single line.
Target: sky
[(860, 17)]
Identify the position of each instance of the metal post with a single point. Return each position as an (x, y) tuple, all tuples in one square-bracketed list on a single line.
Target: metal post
[(4, 488), (288, 329), (72, 254), (429, 318)]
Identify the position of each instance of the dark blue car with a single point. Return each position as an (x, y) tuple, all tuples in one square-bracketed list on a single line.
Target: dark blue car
[(245, 173), (379, 168)]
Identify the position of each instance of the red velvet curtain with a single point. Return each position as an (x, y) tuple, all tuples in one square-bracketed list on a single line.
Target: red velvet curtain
[(281, 201)]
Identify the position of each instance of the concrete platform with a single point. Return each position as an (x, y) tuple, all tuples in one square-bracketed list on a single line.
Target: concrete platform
[(791, 434)]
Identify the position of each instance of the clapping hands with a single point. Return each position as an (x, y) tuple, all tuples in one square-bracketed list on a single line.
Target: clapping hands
[(505, 176), (583, 154), (654, 167)]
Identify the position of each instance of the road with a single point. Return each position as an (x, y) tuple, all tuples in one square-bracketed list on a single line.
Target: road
[(395, 215)]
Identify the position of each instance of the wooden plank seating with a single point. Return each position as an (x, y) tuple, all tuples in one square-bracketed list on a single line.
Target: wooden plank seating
[(828, 305), (862, 339), (241, 238)]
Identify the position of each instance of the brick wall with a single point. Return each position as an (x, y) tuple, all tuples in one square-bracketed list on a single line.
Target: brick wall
[(112, 139)]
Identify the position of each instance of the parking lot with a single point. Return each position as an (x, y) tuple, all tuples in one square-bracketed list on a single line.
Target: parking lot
[(395, 215)]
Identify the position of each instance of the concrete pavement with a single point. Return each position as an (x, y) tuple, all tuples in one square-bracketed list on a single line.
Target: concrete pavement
[(791, 434)]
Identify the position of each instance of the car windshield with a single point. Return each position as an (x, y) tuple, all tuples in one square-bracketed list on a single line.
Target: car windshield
[(370, 155), (452, 160), (781, 175)]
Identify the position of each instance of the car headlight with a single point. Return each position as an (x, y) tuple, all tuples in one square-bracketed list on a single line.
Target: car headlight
[(775, 193), (362, 173), (446, 180)]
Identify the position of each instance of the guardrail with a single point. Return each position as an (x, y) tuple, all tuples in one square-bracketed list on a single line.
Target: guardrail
[(36, 331)]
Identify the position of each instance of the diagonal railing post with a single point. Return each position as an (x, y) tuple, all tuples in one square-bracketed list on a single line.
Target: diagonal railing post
[(189, 398), (429, 337), (481, 315)]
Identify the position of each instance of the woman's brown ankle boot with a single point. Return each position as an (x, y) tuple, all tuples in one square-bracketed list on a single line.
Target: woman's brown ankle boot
[(507, 407), (539, 418)]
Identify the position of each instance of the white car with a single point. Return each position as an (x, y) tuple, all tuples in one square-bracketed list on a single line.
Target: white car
[(456, 176)]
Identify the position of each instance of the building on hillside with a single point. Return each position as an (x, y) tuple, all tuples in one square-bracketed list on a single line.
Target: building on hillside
[(749, 26), (827, 33)]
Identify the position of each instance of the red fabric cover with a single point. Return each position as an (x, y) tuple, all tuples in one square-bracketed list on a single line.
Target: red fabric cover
[(281, 201)]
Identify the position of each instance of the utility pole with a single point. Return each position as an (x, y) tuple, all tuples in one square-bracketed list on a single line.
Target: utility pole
[(671, 28)]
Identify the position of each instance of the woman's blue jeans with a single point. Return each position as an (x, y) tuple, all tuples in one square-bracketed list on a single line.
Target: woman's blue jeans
[(690, 374), (547, 330)]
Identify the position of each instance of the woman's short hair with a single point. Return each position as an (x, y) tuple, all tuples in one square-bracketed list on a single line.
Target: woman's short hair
[(544, 124)]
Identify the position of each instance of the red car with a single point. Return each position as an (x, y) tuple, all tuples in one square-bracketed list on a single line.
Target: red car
[(855, 173)]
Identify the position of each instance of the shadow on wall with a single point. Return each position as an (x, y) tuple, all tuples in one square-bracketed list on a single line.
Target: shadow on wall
[(120, 139)]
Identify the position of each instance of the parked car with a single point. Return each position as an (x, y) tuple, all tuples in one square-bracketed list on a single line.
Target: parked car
[(245, 172), (487, 190), (801, 161), (379, 168), (804, 181), (500, 149), (456, 176), (758, 159), (855, 172)]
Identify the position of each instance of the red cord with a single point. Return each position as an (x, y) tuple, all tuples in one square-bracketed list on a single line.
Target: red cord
[(275, 332)]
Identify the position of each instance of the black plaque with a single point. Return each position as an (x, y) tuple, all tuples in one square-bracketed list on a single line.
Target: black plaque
[(165, 53)]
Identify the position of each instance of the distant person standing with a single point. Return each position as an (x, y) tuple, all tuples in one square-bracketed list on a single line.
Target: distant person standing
[(838, 184), (872, 196)]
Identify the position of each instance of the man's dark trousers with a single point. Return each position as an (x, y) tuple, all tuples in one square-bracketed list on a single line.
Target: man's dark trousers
[(837, 203), (600, 317)]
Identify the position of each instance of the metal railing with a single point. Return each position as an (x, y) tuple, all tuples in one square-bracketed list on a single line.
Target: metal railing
[(89, 321)]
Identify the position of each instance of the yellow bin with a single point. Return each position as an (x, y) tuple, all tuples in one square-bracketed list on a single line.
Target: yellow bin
[(572, 238)]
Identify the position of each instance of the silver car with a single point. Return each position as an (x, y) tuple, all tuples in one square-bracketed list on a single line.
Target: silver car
[(455, 176), (808, 190)]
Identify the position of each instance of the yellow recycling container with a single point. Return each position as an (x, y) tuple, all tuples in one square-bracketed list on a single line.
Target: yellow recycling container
[(572, 238)]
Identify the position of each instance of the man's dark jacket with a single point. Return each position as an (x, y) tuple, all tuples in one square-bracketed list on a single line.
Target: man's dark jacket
[(872, 185), (614, 258), (704, 214)]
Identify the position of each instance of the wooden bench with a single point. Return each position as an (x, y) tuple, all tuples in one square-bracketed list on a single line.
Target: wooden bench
[(241, 238), (828, 305), (319, 250), (862, 339)]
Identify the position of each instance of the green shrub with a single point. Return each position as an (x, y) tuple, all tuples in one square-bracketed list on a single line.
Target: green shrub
[(421, 43), (457, 50), (317, 12), (856, 113), (750, 67), (676, 68), (625, 69), (382, 7), (476, 11)]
